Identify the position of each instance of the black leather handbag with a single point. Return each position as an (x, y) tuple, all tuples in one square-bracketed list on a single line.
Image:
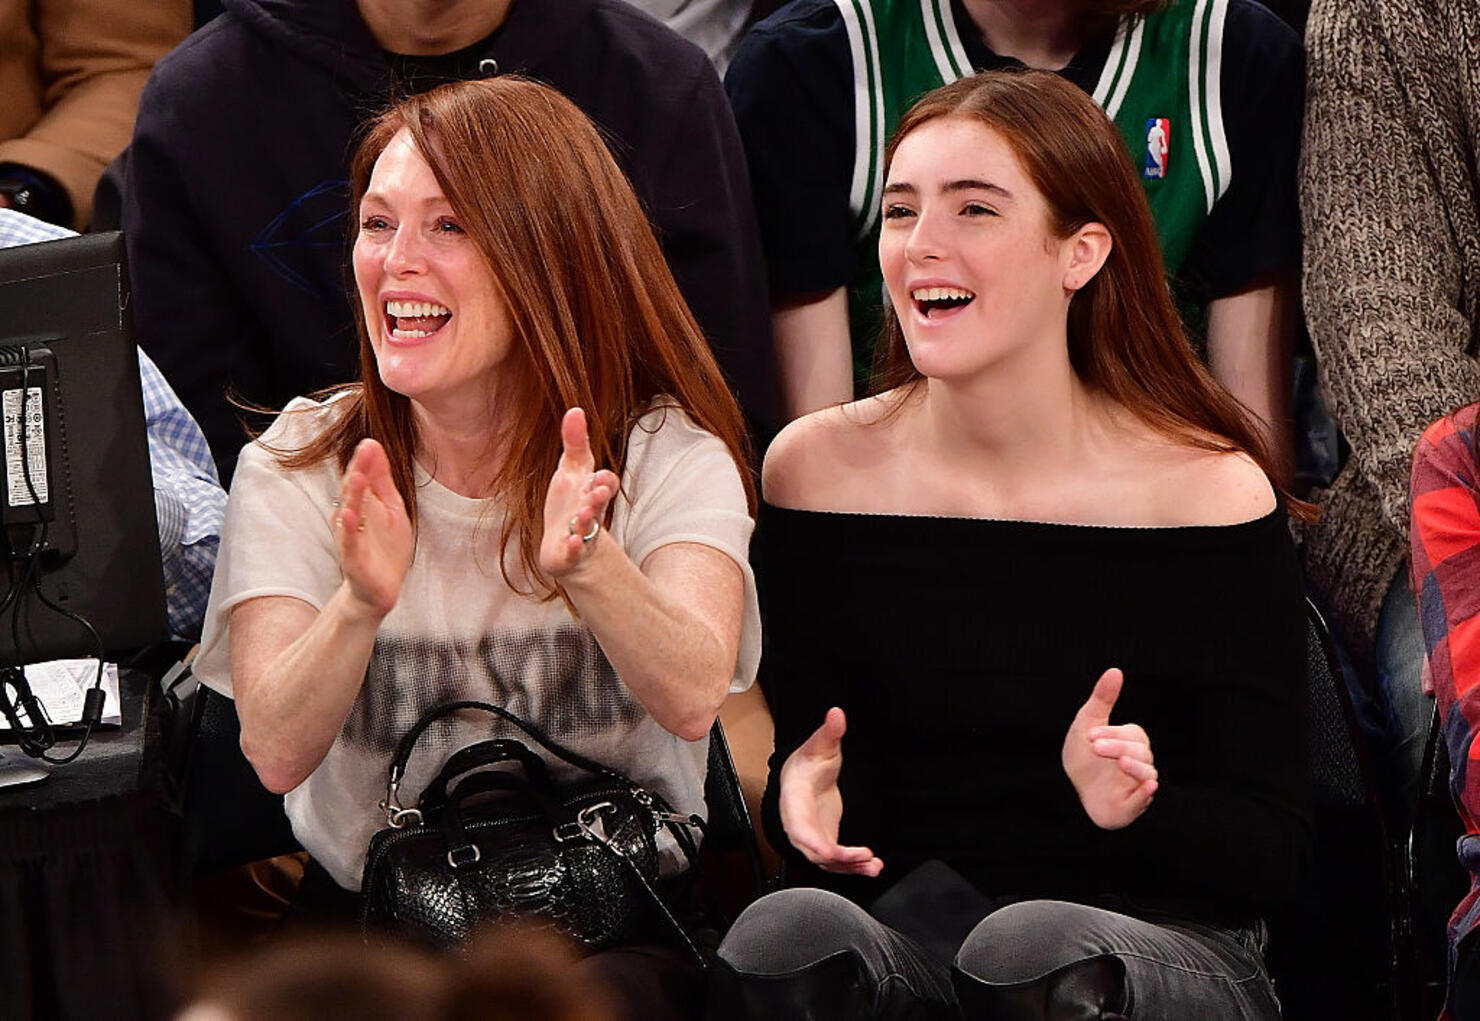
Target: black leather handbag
[(486, 842)]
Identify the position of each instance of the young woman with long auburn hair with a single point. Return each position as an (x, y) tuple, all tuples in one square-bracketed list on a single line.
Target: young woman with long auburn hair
[(1045, 584), (1206, 95), (536, 495)]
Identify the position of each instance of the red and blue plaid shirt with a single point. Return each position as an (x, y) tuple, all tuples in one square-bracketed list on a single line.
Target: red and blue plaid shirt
[(1446, 578)]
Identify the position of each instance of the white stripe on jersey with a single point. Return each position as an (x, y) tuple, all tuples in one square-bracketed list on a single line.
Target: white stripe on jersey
[(1133, 54), (1222, 162), (1194, 90), (1113, 60), (868, 111)]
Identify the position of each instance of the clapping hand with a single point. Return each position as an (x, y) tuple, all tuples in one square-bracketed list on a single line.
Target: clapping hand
[(1111, 767), (372, 533), (575, 501), (812, 805)]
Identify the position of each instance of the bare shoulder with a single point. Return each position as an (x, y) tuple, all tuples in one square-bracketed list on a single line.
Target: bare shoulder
[(823, 460), (1206, 487)]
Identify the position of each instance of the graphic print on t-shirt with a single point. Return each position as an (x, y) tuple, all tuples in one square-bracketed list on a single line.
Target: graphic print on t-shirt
[(558, 679)]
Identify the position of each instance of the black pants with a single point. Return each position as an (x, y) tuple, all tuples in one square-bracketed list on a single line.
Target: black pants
[(810, 953), (658, 981)]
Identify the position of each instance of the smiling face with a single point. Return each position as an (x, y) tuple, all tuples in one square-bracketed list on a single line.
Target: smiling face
[(973, 270), (432, 307)]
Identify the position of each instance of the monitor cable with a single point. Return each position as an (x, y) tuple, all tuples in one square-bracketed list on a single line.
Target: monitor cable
[(38, 737)]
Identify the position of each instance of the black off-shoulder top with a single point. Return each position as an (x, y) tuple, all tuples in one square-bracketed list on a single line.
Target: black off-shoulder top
[(961, 649)]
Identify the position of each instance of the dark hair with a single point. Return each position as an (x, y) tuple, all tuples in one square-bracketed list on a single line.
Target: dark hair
[(1125, 336), (598, 321)]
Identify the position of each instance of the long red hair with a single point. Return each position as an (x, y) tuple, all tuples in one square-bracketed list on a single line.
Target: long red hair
[(597, 318), (1126, 338)]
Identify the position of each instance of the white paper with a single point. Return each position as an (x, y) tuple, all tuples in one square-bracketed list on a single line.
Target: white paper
[(62, 683)]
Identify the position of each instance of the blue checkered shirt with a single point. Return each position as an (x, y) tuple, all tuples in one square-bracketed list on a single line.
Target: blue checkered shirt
[(188, 499)]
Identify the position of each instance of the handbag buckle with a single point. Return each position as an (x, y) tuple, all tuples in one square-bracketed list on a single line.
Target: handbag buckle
[(674, 817), (567, 831), (590, 822), (403, 817), (397, 817), (459, 857), (587, 824)]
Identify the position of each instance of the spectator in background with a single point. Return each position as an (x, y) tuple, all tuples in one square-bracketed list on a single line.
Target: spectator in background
[(1223, 198), (189, 502), (235, 185), (70, 75), (1446, 576), (715, 26), (1392, 295)]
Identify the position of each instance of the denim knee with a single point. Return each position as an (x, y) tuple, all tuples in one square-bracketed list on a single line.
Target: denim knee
[(1027, 940), (810, 953), (1039, 960), (791, 929)]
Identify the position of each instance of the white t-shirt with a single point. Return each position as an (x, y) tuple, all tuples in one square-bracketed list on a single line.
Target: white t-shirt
[(458, 631)]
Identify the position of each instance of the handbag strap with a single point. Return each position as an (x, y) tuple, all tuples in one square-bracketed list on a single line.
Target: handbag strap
[(674, 823), (501, 782), (408, 742), (476, 756), (653, 896)]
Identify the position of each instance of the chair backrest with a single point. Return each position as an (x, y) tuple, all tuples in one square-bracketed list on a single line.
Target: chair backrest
[(229, 817), (730, 827), (1335, 951), (1435, 880), (1340, 771)]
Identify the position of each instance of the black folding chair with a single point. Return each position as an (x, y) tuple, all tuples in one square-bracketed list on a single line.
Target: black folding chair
[(729, 833), (228, 817), (1340, 951), (1435, 881)]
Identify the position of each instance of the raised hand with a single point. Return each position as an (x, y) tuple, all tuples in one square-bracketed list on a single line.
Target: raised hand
[(575, 501), (372, 532), (812, 805), (1111, 767)]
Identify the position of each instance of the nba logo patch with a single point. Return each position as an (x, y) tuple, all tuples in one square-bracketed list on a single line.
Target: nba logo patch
[(1158, 141)]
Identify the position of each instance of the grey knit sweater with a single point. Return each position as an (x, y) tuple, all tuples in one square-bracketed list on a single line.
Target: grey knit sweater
[(1390, 200)]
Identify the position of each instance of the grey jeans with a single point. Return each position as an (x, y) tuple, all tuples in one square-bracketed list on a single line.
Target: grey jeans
[(806, 953)]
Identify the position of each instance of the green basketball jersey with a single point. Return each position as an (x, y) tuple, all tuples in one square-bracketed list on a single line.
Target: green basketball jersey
[(1160, 85)]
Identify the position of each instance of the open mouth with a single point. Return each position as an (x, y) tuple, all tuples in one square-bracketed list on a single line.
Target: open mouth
[(412, 320), (931, 301)]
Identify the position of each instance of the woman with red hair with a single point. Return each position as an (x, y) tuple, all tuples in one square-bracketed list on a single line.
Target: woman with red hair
[(537, 496), (1044, 582)]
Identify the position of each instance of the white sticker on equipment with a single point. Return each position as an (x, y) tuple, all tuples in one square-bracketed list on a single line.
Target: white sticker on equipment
[(18, 494)]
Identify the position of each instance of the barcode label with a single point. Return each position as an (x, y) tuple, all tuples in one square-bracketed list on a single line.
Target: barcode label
[(18, 494)]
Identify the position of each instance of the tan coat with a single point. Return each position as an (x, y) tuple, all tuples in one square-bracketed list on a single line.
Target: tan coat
[(70, 76), (1388, 197)]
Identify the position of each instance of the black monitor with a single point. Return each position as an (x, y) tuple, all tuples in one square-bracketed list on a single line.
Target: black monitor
[(78, 535)]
